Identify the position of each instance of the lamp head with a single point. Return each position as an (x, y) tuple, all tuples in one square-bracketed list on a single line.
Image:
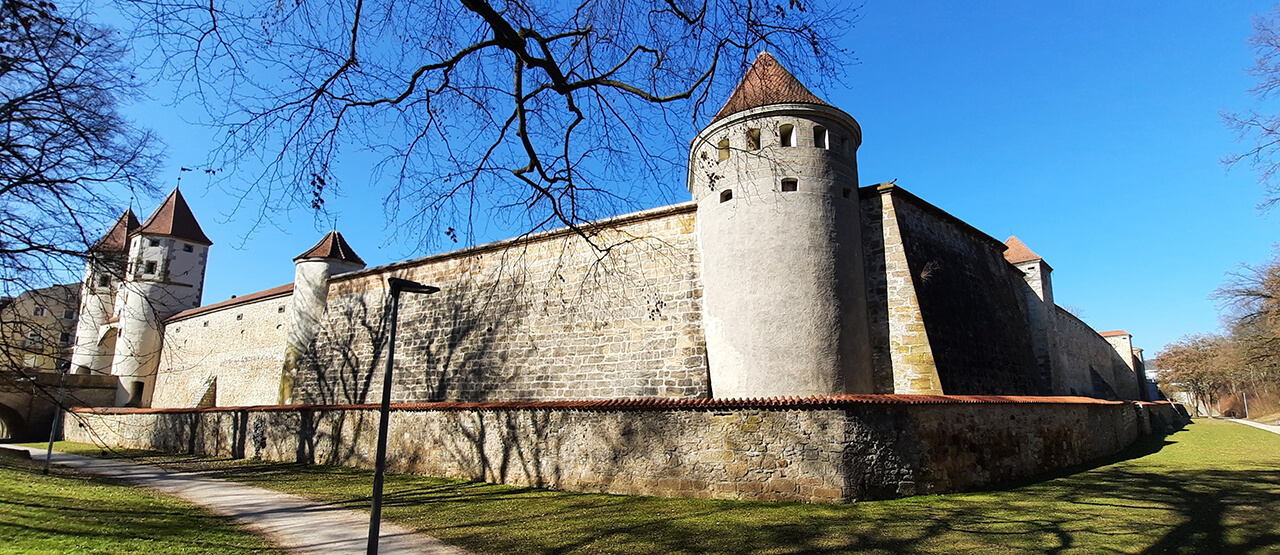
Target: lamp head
[(398, 284)]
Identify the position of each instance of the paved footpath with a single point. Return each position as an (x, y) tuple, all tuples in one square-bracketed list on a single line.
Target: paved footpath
[(1267, 427), (295, 523)]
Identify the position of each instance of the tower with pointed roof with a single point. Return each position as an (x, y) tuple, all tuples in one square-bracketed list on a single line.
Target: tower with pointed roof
[(1041, 312), (166, 258), (312, 270), (103, 274), (775, 177)]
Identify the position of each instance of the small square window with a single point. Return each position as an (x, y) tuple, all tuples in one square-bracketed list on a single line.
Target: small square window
[(239, 317), (280, 309), (726, 195), (153, 242), (68, 315), (64, 338), (104, 281), (38, 311), (149, 268), (187, 248), (789, 185)]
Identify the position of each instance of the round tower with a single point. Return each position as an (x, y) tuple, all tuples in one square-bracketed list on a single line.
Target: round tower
[(312, 270), (775, 176), (164, 275), (104, 271)]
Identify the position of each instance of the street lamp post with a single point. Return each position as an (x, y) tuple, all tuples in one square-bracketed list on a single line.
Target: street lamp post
[(396, 286)]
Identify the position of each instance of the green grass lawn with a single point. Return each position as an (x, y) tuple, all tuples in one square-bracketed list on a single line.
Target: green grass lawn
[(66, 512), (1211, 488)]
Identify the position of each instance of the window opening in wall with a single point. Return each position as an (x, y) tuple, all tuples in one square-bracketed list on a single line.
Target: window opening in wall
[(149, 268), (68, 314), (726, 195), (33, 335), (753, 139), (187, 248), (785, 134), (153, 242), (280, 309), (38, 311), (723, 149), (789, 185), (104, 281), (239, 317), (846, 192), (64, 338), (819, 136), (206, 323)]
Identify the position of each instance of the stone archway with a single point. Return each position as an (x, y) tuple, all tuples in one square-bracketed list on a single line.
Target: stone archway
[(12, 425)]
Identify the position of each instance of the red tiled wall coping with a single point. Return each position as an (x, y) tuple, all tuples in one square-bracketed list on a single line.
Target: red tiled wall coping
[(776, 403)]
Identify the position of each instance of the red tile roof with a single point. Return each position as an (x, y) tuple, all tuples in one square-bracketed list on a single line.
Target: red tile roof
[(767, 82), (1114, 333), (332, 246), (116, 239), (1018, 251), (784, 403), (243, 299), (174, 219)]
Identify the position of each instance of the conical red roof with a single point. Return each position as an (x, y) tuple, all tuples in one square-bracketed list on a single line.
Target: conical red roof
[(333, 247), (174, 219), (767, 82), (116, 239), (1018, 251)]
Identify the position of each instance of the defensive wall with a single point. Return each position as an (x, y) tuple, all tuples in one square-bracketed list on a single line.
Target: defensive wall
[(832, 449), (616, 312), (613, 312), (225, 354), (1090, 362)]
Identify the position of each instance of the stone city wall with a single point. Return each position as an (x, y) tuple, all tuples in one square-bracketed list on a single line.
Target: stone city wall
[(970, 302), (241, 345), (1087, 362), (546, 317), (813, 450)]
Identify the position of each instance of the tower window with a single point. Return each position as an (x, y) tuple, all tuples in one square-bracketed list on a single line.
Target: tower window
[(153, 242), (723, 149), (753, 139), (785, 134), (38, 311), (280, 309), (68, 314), (846, 192), (104, 281), (187, 248), (726, 195), (819, 136), (789, 185), (64, 338), (149, 268)]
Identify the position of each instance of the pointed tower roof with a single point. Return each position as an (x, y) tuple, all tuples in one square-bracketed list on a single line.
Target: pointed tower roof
[(1018, 252), (334, 247), (767, 82), (116, 239), (174, 219)]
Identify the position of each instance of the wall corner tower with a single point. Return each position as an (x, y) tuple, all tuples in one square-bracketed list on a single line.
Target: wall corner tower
[(166, 259), (103, 274), (312, 270), (775, 177)]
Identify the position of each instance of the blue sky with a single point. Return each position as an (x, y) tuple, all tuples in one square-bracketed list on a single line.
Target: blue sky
[(1089, 130)]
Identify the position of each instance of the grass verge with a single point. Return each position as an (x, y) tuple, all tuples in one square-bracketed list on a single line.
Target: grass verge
[(67, 512), (1212, 488)]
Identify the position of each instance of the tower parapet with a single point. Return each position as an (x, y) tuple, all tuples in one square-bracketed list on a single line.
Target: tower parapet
[(312, 270), (775, 176)]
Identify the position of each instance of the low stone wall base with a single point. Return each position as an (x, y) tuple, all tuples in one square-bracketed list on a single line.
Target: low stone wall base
[(829, 449)]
